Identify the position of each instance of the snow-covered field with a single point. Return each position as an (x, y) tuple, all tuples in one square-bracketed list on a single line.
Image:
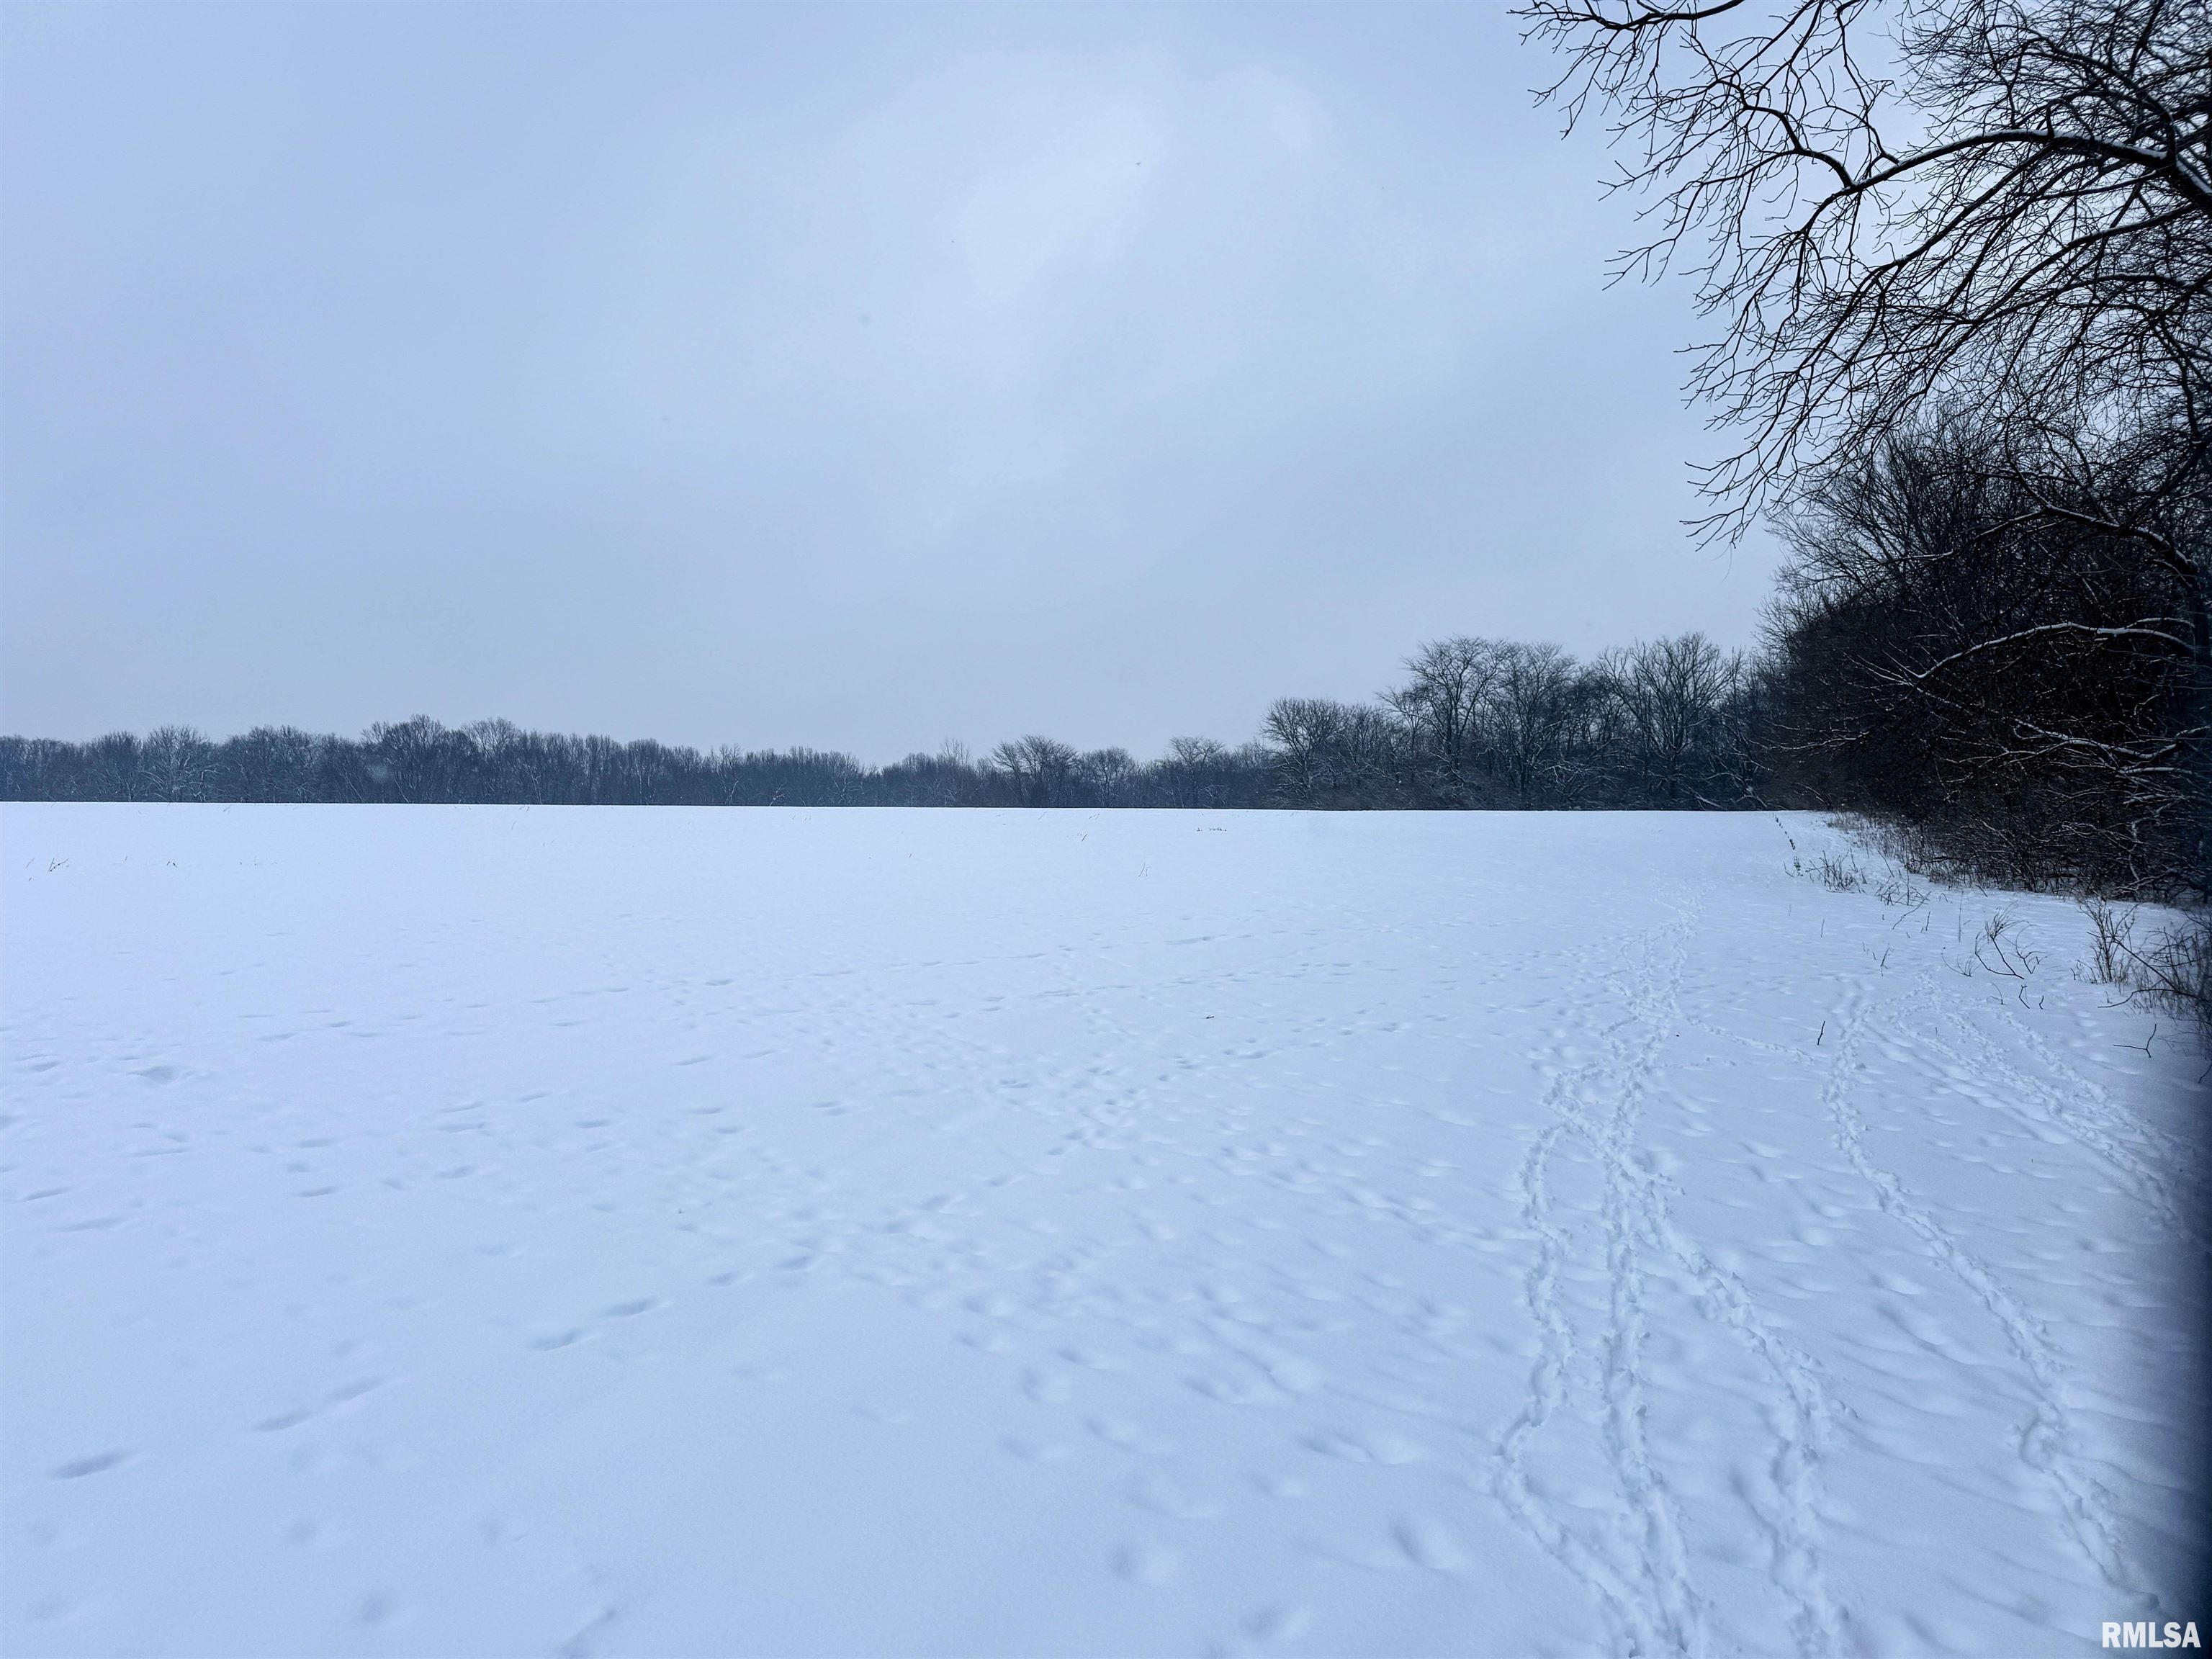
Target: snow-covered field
[(487, 1231)]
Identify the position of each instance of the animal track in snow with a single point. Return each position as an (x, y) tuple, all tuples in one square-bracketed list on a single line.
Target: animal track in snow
[(98, 1463)]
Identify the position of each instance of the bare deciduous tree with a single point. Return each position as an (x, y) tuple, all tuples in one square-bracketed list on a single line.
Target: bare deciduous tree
[(1042, 769), (1675, 700), (1531, 721), (177, 763), (1907, 214), (2004, 203), (1442, 706), (2015, 682)]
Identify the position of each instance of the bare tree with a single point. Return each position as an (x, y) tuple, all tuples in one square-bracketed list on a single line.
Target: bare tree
[(38, 769), (1998, 211), (177, 763), (1193, 772), (114, 763), (2007, 204), (1675, 700), (1104, 777), (409, 760), (1335, 754), (274, 763), (2017, 683), (1305, 735), (1041, 769), (1530, 719), (1442, 704)]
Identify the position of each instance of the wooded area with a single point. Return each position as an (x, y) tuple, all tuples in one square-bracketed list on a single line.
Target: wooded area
[(1475, 723), (1958, 254)]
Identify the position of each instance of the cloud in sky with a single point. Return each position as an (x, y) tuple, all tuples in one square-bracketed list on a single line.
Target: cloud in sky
[(847, 376)]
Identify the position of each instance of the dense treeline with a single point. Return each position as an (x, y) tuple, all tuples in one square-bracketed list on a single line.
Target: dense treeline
[(1477, 723), (2006, 652), (1481, 723), (1957, 256)]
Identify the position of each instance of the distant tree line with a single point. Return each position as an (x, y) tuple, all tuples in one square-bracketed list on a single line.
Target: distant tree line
[(1476, 723)]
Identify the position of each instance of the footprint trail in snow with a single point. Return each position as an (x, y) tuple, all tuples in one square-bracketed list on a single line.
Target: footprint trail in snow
[(799, 1232)]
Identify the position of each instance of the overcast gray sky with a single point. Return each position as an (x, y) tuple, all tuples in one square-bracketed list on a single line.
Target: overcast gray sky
[(841, 376)]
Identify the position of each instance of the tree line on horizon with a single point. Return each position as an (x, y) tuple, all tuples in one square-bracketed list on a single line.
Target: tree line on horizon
[(1476, 723), (1961, 291)]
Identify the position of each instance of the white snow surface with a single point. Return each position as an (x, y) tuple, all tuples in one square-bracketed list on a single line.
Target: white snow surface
[(601, 1232)]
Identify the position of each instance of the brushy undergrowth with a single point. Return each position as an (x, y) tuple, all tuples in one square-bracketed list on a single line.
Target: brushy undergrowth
[(2163, 963)]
